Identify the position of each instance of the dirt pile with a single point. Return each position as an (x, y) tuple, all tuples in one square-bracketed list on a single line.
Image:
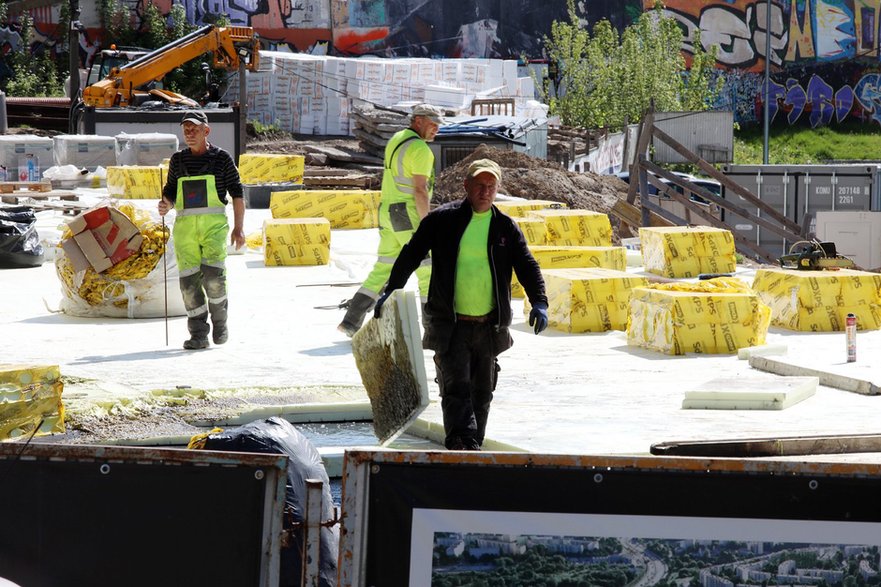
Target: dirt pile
[(535, 179)]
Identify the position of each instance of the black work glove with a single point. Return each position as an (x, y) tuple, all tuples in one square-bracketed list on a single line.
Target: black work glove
[(538, 316), (377, 309)]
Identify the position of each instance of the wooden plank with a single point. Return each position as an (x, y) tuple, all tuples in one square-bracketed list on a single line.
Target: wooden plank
[(719, 176), (357, 181), (771, 446), (630, 214), (7, 187), (723, 203), (642, 144)]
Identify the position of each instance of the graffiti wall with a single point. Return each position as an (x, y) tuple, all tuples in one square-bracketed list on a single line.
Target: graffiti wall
[(824, 55)]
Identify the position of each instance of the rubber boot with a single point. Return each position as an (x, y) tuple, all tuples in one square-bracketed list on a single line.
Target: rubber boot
[(357, 308)]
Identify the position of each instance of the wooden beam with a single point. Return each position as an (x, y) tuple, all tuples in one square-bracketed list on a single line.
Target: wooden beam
[(642, 145), (771, 446)]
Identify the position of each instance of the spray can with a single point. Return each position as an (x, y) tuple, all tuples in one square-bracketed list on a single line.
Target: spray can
[(850, 330)]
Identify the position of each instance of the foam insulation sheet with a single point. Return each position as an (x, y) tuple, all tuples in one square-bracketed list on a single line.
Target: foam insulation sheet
[(389, 356), (589, 299), (559, 257), (30, 400), (576, 227), (135, 182), (819, 301), (89, 151), (343, 208), (718, 315), (750, 393), (296, 241), (271, 167), (681, 251)]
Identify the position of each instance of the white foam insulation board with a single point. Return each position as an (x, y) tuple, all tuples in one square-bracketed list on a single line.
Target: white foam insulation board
[(750, 393)]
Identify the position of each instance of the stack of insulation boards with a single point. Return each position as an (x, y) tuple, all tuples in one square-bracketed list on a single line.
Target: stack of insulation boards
[(588, 299), (562, 257), (575, 227), (30, 400), (148, 148), (819, 301), (718, 315), (342, 208), (533, 227), (679, 251), (296, 241), (136, 182), (262, 168)]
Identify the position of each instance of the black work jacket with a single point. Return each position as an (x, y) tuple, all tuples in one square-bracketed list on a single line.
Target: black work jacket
[(440, 233)]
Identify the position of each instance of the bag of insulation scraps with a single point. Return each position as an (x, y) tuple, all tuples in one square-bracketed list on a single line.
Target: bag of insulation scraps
[(135, 287)]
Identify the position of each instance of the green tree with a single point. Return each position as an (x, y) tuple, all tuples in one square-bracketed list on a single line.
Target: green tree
[(34, 74), (609, 79)]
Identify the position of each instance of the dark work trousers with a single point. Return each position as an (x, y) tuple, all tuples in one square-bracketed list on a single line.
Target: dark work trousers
[(208, 280), (467, 374)]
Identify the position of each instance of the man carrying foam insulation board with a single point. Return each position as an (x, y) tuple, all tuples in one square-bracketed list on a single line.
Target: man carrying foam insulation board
[(474, 248), (199, 178), (407, 185)]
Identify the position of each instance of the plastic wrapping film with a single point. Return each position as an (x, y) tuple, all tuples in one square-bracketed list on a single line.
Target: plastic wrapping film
[(271, 167), (549, 257), (296, 241), (588, 299), (148, 148), (718, 315), (134, 288), (520, 208), (89, 151), (819, 301), (135, 182), (533, 230), (680, 251), (25, 157), (575, 227), (30, 399), (342, 208)]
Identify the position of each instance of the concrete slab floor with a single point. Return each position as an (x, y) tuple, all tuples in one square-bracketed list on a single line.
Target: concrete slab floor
[(557, 393)]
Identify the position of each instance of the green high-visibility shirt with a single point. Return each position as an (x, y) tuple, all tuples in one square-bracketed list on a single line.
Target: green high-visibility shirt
[(474, 294)]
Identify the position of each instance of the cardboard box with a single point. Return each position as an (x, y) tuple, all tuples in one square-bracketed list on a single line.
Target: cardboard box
[(102, 237)]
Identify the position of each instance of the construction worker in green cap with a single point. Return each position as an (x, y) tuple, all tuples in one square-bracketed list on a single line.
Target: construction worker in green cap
[(199, 178), (407, 185)]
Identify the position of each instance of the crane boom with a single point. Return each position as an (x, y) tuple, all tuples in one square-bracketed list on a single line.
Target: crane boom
[(228, 47)]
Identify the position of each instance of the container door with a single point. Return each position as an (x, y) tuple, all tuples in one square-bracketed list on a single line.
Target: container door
[(751, 180)]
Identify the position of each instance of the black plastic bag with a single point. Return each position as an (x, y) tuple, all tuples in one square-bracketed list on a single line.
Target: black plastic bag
[(278, 436), (19, 242)]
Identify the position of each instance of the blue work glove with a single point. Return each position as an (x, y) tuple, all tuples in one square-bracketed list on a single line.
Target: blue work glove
[(377, 309), (538, 317)]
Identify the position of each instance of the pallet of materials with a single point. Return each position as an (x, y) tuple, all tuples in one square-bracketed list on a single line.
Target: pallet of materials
[(296, 241), (342, 208), (682, 251), (560, 257), (575, 227)]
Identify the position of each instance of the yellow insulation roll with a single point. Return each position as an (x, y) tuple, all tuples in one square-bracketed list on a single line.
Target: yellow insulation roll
[(714, 316), (681, 251), (556, 257), (296, 241), (30, 399), (342, 208), (135, 182), (575, 227), (819, 301), (589, 299), (271, 167)]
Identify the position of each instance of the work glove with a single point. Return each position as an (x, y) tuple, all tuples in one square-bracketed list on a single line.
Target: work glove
[(538, 316), (377, 309)]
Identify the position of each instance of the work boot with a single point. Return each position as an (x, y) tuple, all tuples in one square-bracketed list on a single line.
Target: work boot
[(356, 309), (195, 343), (220, 334)]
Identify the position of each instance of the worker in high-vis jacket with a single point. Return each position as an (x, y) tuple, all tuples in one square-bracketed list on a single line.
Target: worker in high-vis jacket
[(407, 185), (199, 179)]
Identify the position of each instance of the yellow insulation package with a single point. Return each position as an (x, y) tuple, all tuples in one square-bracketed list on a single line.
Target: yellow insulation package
[(30, 399), (522, 208), (549, 257), (718, 315), (271, 167), (296, 241), (533, 230), (135, 182), (342, 208), (680, 251), (575, 227), (589, 300), (819, 301), (143, 285)]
